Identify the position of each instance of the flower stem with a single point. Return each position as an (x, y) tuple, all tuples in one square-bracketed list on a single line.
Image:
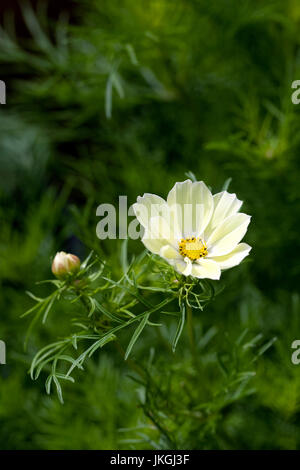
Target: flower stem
[(191, 332)]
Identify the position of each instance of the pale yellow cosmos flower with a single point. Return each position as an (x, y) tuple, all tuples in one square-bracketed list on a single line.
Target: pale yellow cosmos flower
[(196, 232)]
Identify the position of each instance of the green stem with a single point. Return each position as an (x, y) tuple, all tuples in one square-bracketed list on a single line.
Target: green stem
[(191, 332)]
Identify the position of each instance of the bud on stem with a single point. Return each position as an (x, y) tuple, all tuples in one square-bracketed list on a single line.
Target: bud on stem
[(65, 264)]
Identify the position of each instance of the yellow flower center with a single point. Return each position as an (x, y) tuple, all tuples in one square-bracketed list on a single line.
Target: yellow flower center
[(193, 248)]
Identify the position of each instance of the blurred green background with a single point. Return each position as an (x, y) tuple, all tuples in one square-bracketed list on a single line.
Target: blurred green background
[(109, 98)]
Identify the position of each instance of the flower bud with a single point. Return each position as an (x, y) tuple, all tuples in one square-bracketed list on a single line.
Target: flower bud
[(65, 264)]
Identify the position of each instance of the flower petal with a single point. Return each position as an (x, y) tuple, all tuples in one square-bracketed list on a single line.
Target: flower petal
[(234, 257), (225, 204), (147, 206), (204, 205), (178, 197), (157, 234), (169, 252), (192, 205), (152, 245), (227, 235), (206, 269), (184, 266)]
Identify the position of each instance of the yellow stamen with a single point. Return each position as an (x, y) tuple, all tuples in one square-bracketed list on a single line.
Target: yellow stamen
[(193, 248)]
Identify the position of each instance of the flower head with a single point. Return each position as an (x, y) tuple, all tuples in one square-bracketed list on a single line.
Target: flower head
[(65, 264), (196, 232)]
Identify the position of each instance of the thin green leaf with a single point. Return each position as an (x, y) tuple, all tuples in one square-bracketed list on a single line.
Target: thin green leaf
[(136, 334), (179, 327)]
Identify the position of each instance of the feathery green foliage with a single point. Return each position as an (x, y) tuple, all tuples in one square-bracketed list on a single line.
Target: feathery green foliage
[(125, 99)]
